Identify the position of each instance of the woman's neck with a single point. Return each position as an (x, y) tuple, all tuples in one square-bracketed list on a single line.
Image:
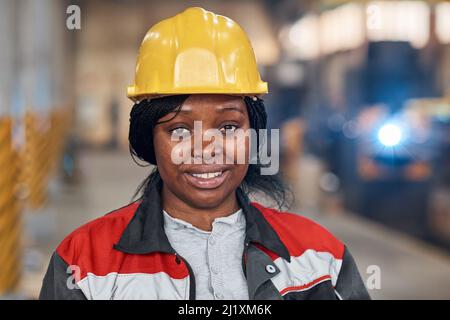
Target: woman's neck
[(200, 217)]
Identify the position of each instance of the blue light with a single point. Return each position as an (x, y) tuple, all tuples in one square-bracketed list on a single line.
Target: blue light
[(390, 135)]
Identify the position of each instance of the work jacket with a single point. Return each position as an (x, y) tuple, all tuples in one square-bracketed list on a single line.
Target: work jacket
[(126, 255)]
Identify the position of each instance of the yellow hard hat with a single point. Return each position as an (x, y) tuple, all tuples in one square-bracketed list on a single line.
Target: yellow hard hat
[(196, 51)]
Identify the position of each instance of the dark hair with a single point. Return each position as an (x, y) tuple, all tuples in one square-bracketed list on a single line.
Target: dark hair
[(145, 116)]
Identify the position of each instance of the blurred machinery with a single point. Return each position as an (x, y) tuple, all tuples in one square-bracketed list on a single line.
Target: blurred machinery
[(436, 113), (370, 77), (399, 146), (393, 169)]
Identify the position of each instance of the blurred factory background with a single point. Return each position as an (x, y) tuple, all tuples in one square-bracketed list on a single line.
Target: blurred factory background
[(359, 89)]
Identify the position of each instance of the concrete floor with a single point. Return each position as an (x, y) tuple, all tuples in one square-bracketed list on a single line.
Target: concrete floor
[(409, 269)]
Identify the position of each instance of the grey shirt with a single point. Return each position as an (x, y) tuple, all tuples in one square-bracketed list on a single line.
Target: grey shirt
[(214, 256)]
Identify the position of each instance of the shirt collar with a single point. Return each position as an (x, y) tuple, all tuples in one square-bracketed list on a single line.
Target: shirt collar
[(233, 221), (145, 232)]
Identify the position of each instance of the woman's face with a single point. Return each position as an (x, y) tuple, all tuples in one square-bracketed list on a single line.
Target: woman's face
[(212, 165)]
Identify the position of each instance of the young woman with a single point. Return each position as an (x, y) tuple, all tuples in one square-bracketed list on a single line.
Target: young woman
[(193, 233)]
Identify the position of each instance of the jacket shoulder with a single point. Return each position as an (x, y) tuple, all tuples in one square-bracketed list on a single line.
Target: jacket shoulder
[(300, 233), (97, 236)]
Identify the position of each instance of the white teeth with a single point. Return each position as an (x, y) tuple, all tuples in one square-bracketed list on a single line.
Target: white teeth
[(207, 175)]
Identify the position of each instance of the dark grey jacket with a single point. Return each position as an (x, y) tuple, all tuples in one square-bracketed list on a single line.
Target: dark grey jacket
[(126, 255)]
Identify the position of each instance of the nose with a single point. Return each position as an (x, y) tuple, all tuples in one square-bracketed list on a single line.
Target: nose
[(207, 144)]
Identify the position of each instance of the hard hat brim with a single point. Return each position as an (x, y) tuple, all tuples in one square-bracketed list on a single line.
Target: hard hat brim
[(138, 96)]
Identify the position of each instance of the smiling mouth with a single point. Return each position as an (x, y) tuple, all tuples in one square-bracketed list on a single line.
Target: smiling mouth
[(207, 175), (207, 180)]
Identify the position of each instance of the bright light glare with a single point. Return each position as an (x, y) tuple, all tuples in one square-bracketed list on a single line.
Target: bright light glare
[(390, 135)]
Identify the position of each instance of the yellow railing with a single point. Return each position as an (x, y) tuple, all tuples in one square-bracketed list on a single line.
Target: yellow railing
[(25, 170), (10, 218)]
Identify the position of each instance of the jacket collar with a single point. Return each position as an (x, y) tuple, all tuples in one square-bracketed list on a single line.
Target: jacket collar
[(145, 232)]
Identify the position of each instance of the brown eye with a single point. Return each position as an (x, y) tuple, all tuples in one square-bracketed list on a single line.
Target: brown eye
[(228, 129), (180, 132)]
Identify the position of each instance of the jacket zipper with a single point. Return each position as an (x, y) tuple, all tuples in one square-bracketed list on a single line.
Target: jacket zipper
[(191, 276), (244, 266)]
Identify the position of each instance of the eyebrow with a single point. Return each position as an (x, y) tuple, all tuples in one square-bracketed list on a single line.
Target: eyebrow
[(230, 108), (220, 109)]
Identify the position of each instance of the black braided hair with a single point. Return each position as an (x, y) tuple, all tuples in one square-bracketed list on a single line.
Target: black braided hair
[(144, 117)]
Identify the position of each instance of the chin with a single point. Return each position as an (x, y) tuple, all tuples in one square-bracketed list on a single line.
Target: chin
[(205, 199)]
